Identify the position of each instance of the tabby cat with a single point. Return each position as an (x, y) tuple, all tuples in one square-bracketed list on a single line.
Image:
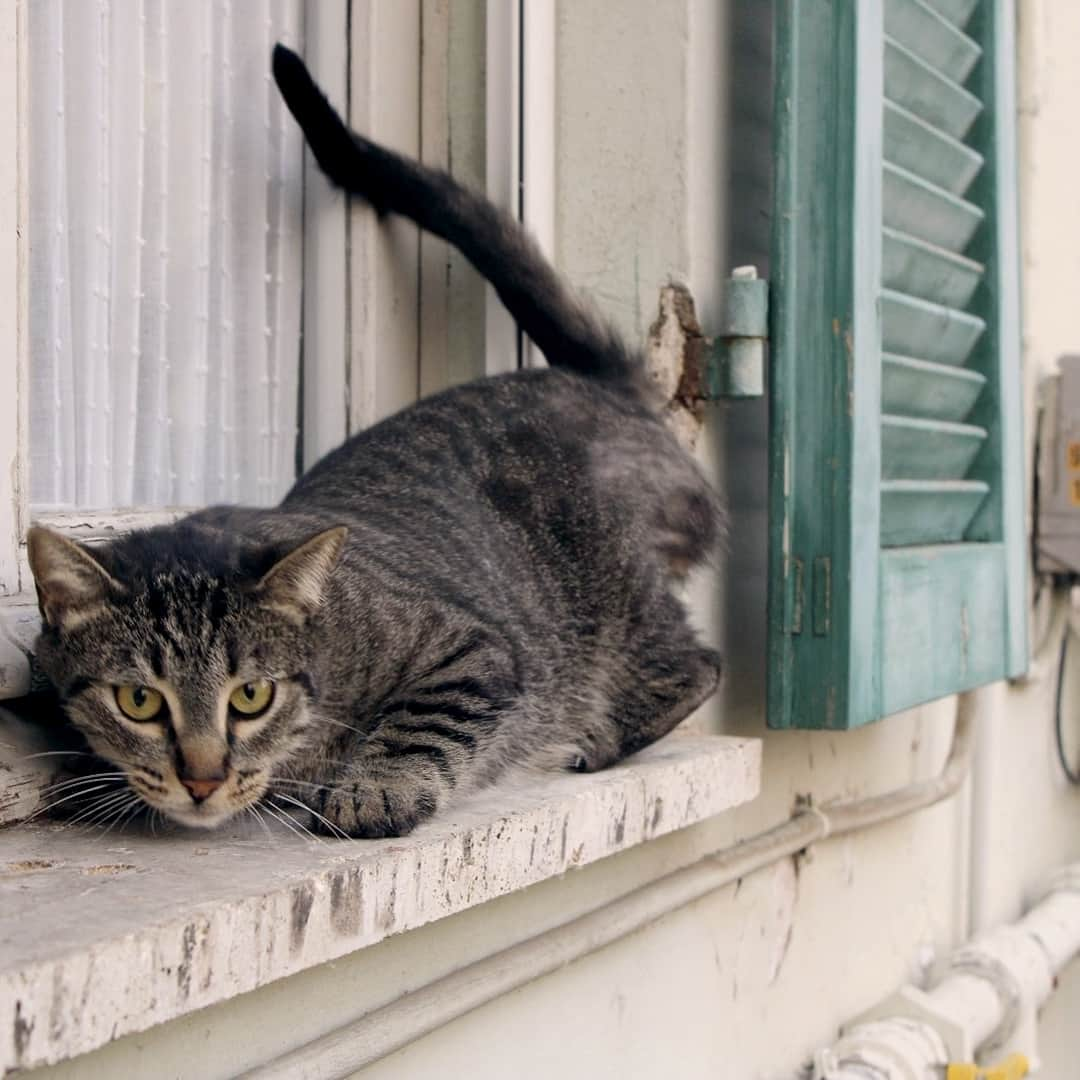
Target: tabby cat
[(484, 579)]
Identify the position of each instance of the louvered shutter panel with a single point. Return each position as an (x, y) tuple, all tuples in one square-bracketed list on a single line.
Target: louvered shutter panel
[(896, 546), (928, 331)]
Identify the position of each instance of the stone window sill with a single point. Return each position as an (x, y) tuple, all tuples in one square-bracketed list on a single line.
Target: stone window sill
[(103, 935)]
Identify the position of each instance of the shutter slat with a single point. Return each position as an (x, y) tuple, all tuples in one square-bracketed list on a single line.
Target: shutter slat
[(956, 11), (916, 449), (920, 388), (927, 281), (928, 511), (911, 265), (916, 86), (931, 37), (925, 150), (919, 328), (915, 206)]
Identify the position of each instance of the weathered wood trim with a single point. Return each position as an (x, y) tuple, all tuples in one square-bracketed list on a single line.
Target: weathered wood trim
[(324, 423), (1000, 408), (384, 255), (825, 343), (944, 610), (503, 165)]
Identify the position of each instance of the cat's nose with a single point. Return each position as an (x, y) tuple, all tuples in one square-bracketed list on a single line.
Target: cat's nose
[(202, 789)]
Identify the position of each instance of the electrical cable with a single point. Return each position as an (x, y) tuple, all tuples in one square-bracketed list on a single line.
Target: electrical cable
[(1071, 774)]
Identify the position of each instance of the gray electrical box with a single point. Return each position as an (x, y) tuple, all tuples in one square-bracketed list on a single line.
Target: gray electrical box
[(1057, 528)]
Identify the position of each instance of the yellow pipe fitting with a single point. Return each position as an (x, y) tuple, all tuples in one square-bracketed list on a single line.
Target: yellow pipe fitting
[(1014, 1067)]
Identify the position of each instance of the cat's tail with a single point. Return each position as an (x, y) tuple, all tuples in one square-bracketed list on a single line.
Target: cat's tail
[(559, 323)]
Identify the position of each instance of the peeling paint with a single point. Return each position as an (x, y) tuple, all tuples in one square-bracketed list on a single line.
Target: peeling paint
[(346, 901), (183, 970), (21, 1032), (620, 827), (302, 899)]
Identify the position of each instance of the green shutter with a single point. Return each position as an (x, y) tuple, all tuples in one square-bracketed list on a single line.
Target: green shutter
[(897, 555)]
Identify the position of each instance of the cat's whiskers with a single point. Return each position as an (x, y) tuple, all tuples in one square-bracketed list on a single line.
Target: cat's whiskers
[(55, 789), (56, 753), (335, 829), (67, 798), (123, 815), (290, 823), (253, 810), (98, 800), (340, 724), (310, 784), (99, 807)]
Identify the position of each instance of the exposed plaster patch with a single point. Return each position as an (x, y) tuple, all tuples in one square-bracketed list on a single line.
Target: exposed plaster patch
[(675, 361)]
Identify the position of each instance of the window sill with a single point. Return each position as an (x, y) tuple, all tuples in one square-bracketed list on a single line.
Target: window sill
[(19, 626), (102, 935)]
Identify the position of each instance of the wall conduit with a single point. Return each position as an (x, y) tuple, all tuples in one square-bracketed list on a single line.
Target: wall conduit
[(341, 1052)]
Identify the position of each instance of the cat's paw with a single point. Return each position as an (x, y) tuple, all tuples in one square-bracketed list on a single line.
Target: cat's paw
[(370, 810)]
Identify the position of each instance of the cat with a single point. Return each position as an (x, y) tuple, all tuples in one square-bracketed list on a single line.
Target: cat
[(483, 580)]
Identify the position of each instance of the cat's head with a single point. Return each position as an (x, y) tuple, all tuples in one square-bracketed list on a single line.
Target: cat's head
[(182, 654)]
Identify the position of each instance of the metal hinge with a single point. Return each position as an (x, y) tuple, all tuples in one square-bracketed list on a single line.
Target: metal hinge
[(735, 363)]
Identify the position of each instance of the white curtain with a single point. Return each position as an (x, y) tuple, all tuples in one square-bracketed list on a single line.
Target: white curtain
[(165, 253)]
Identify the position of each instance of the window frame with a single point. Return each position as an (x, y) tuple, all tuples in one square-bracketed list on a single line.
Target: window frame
[(857, 632), (14, 410), (360, 359)]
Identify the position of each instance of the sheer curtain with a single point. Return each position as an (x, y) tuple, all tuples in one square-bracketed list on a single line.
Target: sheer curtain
[(165, 253)]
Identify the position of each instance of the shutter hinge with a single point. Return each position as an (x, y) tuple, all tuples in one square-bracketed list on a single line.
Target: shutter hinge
[(735, 362)]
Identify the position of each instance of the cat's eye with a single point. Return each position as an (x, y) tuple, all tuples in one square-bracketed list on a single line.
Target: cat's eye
[(139, 702), (252, 698)]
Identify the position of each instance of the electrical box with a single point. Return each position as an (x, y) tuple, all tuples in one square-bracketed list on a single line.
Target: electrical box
[(1057, 491)]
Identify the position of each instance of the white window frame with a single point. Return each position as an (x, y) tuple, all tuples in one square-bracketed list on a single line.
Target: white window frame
[(521, 118), (13, 295)]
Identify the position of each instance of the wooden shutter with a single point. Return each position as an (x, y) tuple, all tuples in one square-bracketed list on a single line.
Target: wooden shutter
[(896, 505)]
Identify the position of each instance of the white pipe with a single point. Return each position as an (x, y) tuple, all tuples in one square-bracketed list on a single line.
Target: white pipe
[(987, 1000), (984, 797), (362, 1042)]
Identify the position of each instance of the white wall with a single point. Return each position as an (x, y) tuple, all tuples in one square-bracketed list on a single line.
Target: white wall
[(652, 183)]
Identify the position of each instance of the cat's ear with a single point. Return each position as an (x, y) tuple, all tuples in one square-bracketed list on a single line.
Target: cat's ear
[(295, 584), (72, 585)]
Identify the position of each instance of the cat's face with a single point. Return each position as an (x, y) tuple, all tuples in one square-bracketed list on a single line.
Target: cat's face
[(190, 674)]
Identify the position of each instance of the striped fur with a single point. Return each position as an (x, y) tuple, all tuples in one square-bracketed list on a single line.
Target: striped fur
[(483, 580)]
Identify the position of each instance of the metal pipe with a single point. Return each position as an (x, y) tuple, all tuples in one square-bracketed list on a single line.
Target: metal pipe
[(986, 1001), (341, 1052)]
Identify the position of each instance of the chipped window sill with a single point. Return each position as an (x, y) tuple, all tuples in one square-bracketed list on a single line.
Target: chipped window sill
[(19, 625), (102, 935)]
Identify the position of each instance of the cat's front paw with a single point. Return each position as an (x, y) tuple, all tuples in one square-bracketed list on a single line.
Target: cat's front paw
[(371, 810)]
